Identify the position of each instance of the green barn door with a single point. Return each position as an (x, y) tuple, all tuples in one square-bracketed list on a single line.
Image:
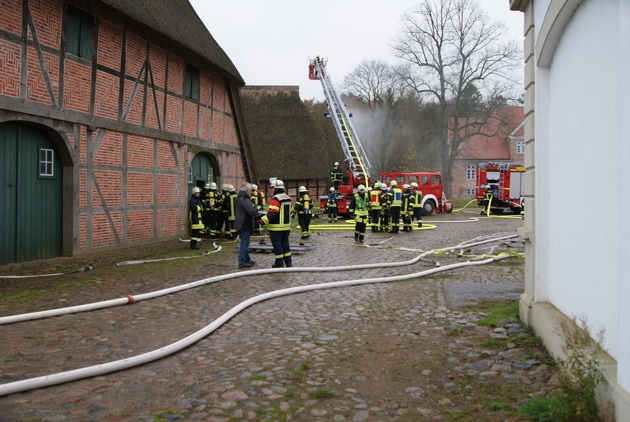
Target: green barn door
[(202, 172), (31, 214)]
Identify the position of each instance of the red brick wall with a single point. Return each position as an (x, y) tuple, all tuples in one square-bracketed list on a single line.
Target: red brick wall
[(126, 184)]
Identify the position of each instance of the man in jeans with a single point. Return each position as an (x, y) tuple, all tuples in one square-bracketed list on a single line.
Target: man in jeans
[(246, 213)]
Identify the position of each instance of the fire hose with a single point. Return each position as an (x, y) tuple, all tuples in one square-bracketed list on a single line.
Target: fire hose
[(105, 368)]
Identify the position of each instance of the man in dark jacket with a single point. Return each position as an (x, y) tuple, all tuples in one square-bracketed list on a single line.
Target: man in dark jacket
[(245, 214)]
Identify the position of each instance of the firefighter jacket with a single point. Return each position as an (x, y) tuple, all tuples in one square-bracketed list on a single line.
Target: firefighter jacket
[(375, 199), (225, 203), (303, 204), (195, 209), (231, 200), (397, 197), (332, 200), (408, 199), (359, 205), (278, 216), (336, 175), (257, 199), (209, 199), (418, 194), (385, 199)]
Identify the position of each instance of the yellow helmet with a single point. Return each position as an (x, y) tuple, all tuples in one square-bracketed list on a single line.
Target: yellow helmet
[(393, 183), (414, 184)]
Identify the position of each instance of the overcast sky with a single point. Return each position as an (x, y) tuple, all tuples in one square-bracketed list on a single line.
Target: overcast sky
[(270, 42)]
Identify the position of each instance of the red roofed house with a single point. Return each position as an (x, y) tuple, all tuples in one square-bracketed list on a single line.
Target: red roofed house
[(501, 142)]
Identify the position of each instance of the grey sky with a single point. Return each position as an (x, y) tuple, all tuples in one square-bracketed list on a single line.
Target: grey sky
[(270, 42)]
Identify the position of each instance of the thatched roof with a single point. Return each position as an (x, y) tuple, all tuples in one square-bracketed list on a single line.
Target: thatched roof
[(178, 21), (285, 139)]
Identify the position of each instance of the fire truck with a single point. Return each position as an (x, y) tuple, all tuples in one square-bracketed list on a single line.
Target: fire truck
[(505, 181), (433, 198), (358, 172)]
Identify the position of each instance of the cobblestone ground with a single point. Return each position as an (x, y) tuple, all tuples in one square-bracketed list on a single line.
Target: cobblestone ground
[(400, 351)]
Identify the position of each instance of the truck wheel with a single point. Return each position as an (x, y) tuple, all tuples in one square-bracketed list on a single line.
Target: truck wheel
[(428, 208)]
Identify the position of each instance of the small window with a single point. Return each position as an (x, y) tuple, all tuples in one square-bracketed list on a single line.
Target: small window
[(46, 162), (470, 191), (191, 82), (425, 180), (80, 33), (520, 147), (471, 171), (413, 179), (189, 177), (435, 180)]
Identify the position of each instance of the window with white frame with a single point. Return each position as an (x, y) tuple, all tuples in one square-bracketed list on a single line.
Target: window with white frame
[(46, 162), (190, 178), (471, 171), (470, 191), (520, 147)]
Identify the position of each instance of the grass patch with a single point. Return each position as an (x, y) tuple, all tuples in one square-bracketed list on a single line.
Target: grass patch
[(323, 394), (494, 343), (497, 311), (259, 378)]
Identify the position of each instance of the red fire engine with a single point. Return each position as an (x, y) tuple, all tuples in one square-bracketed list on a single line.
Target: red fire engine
[(505, 181), (433, 198)]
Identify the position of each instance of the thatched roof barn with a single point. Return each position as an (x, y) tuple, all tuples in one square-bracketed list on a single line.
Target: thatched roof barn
[(286, 141)]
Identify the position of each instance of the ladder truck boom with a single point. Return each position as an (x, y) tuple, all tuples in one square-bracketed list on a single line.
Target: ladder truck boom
[(356, 158)]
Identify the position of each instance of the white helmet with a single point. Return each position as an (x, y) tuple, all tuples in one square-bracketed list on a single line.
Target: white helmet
[(302, 189), (279, 184), (230, 188), (406, 186), (336, 163), (224, 186), (207, 186), (254, 187), (196, 189), (383, 186), (361, 188), (488, 187), (332, 189), (213, 186)]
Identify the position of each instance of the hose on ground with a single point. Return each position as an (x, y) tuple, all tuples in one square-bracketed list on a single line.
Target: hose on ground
[(106, 368), (129, 299)]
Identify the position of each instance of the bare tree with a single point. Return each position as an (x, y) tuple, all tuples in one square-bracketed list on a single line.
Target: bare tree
[(384, 107), (452, 50)]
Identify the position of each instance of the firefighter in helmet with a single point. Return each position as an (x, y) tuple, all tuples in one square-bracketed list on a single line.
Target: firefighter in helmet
[(394, 209), (487, 200), (360, 207), (303, 207), (385, 199), (195, 211), (258, 199), (331, 206), (336, 177), (406, 210), (375, 207), (417, 205), (278, 223)]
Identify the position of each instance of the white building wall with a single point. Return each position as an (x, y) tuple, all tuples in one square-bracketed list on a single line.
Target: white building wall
[(581, 161)]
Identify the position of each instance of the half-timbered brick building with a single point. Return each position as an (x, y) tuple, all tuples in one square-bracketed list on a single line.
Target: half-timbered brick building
[(110, 112)]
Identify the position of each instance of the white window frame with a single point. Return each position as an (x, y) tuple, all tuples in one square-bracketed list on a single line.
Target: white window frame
[(46, 162), (470, 191), (471, 172), (520, 147), (189, 176)]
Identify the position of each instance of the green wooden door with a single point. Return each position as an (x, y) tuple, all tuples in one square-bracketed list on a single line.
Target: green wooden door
[(31, 183), (202, 170)]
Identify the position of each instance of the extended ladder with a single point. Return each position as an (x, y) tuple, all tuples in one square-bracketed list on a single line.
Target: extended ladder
[(352, 148)]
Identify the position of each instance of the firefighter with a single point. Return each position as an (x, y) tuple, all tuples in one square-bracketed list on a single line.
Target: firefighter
[(406, 210), (331, 206), (385, 199), (375, 207), (360, 207), (258, 199), (417, 205), (394, 209), (278, 223), (487, 200), (208, 198), (303, 207), (195, 210), (231, 215), (336, 177), (223, 198)]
